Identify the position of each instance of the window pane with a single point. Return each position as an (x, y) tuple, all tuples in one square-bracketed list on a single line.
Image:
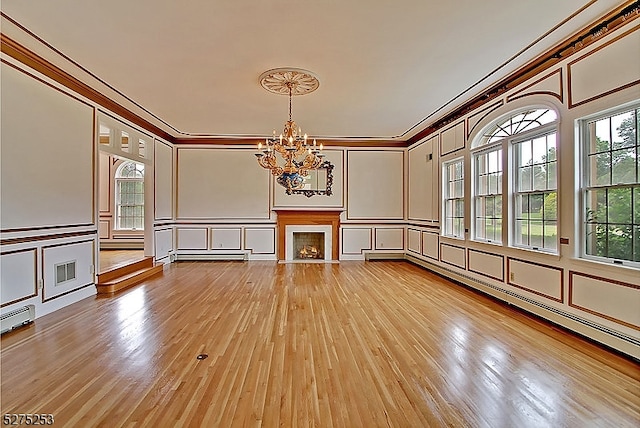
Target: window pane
[(551, 147), (550, 235), (536, 233), (526, 182), (521, 232), (619, 206), (539, 178), (525, 154), (624, 134), (482, 185), (536, 202), (497, 231), (480, 164), (620, 244), (457, 227), (600, 166), (550, 211), (623, 166), (551, 176), (603, 135), (480, 228), (596, 203), (459, 208)]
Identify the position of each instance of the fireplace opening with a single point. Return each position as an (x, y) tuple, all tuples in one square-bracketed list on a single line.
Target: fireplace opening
[(308, 245)]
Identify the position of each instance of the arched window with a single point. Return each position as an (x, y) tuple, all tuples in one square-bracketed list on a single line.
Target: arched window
[(524, 143), (129, 183)]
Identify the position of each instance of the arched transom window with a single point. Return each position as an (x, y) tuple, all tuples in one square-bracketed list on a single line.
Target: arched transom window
[(523, 145)]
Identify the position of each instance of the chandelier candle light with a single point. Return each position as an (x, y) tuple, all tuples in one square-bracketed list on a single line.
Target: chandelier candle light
[(299, 155)]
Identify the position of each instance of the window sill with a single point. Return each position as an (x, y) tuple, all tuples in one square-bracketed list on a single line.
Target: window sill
[(599, 264)]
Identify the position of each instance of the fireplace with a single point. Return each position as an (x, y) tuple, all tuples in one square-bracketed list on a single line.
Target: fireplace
[(326, 223), (308, 245), (308, 242)]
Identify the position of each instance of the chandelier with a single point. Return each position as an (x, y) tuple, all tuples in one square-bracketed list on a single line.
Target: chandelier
[(299, 156)]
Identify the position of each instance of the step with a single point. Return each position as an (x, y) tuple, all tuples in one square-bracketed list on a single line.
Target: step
[(125, 269), (128, 279)]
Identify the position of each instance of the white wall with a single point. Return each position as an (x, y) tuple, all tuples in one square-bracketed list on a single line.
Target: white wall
[(582, 293), (47, 155), (48, 176)]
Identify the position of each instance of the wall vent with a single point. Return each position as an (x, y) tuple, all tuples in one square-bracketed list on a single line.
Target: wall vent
[(65, 272), (17, 318)]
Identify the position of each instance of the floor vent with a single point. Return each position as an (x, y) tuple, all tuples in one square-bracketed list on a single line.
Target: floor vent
[(17, 318), (460, 276)]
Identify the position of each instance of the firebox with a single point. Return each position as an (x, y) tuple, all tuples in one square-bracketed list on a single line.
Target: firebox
[(308, 245)]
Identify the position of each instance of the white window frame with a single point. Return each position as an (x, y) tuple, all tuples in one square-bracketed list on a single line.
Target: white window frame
[(506, 189), (476, 197), (541, 131), (118, 180), (585, 186), (449, 199)]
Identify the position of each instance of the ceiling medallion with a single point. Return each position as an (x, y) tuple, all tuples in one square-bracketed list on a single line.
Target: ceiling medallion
[(298, 155), (280, 80)]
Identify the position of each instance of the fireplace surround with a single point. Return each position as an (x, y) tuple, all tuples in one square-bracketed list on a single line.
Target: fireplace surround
[(289, 221)]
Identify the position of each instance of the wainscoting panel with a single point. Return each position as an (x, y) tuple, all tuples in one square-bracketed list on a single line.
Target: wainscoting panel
[(413, 240), (546, 281), (260, 241), (226, 239), (18, 275), (430, 245), (389, 238), (192, 238), (163, 243), (67, 268), (453, 255), (356, 240), (613, 300), (486, 264)]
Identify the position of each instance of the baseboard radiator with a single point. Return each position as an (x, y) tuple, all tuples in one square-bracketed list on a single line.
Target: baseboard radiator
[(17, 318), (502, 294), (212, 257)]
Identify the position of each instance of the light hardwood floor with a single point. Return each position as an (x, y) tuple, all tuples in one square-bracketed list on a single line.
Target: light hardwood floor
[(355, 344), (115, 258)]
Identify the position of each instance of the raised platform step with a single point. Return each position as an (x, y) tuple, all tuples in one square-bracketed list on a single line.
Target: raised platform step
[(122, 277)]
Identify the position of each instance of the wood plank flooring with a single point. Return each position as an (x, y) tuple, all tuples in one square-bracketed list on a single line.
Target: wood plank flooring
[(110, 259), (355, 344)]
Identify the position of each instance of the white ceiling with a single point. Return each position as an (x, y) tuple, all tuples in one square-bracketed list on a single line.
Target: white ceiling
[(387, 68)]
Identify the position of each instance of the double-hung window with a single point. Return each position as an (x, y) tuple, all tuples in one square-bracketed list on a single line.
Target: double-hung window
[(526, 181), (488, 195), (535, 193), (611, 186), (453, 211)]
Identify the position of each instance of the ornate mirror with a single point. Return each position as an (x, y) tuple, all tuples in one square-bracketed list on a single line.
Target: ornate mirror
[(318, 182)]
